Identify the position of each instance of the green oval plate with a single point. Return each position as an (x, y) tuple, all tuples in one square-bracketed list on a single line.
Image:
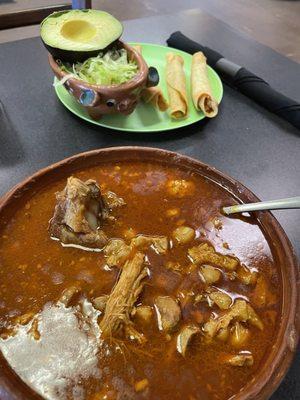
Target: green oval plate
[(146, 118)]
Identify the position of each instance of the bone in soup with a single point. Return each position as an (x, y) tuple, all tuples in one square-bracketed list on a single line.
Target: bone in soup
[(137, 288)]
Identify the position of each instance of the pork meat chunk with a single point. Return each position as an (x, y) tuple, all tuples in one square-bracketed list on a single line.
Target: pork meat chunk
[(205, 253), (240, 311), (185, 336), (158, 243), (240, 360), (78, 214), (112, 200), (116, 252), (168, 313)]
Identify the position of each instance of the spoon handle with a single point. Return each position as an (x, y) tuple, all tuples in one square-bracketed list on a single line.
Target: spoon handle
[(291, 202)]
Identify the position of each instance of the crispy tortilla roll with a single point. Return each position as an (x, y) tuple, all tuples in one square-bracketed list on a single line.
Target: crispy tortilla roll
[(176, 84), (155, 96), (201, 91)]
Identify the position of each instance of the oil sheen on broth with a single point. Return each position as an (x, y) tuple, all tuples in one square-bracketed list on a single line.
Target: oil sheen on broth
[(180, 303)]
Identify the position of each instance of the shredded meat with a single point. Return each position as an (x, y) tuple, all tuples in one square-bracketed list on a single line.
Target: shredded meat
[(240, 311), (168, 312), (116, 252), (123, 296), (132, 334), (78, 214), (205, 253), (159, 243), (100, 302)]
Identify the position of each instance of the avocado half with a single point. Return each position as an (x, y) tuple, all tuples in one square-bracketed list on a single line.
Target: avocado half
[(75, 35)]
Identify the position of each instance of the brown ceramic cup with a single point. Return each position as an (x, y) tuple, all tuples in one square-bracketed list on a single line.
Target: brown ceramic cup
[(280, 354), (99, 99)]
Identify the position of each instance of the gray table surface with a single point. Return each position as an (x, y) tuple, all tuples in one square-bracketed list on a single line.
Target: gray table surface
[(244, 141)]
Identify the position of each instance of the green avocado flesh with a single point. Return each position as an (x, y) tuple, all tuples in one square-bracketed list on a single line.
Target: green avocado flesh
[(79, 33)]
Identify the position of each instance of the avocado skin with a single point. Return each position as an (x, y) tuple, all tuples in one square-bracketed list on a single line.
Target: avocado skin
[(75, 56)]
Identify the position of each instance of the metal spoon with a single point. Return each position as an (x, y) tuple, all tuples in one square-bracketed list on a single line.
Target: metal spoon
[(291, 202)]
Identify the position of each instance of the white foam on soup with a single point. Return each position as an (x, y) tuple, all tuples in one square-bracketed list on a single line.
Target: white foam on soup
[(65, 353)]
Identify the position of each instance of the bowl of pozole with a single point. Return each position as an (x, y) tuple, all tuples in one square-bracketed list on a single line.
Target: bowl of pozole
[(122, 279)]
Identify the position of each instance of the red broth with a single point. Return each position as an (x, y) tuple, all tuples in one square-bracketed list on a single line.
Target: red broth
[(35, 270)]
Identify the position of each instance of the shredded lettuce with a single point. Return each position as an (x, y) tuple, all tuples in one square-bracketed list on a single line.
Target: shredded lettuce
[(111, 68), (63, 80)]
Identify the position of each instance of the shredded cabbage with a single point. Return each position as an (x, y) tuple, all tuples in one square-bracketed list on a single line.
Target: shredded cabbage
[(111, 68)]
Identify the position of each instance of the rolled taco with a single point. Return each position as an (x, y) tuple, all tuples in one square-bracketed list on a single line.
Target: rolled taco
[(201, 91), (176, 84), (153, 95)]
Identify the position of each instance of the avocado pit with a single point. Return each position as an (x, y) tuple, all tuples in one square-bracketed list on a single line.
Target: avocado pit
[(78, 31)]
